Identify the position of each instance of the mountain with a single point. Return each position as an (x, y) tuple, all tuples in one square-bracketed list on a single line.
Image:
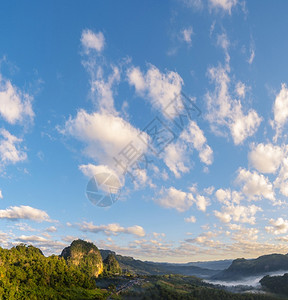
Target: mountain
[(217, 265), (135, 266), (111, 265), (25, 273), (84, 255), (262, 265), (213, 265)]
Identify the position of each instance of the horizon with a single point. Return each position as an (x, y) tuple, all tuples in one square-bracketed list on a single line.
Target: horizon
[(151, 261), (155, 130)]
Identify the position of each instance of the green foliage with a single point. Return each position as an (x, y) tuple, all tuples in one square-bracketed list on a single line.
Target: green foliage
[(276, 284), (85, 256), (25, 273), (170, 287), (111, 266)]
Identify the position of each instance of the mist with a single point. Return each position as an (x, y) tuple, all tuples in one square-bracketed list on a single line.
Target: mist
[(247, 281)]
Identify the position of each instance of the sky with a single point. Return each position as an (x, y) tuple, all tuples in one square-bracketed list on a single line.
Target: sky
[(183, 102)]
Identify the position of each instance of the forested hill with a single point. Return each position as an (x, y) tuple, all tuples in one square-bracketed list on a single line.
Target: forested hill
[(25, 273), (262, 265)]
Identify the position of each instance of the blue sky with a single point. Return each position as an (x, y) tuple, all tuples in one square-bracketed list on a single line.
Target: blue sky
[(81, 81)]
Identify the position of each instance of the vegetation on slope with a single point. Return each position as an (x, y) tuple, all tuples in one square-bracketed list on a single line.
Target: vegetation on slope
[(242, 267), (25, 273), (170, 287), (85, 255), (111, 266), (276, 284)]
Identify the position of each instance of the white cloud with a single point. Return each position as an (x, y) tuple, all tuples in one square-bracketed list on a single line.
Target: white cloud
[(136, 78), (15, 105), (177, 199), (266, 158), (9, 151), (227, 197), (224, 111), (191, 219), (175, 156), (238, 213), (226, 5), (51, 229), (181, 201), (113, 229), (244, 125), (194, 135), (279, 226), (91, 40), (202, 202), (103, 89), (241, 89), (90, 170), (280, 111), (255, 185), (187, 34), (31, 238), (105, 135), (281, 181), (24, 212), (1, 195), (245, 234), (160, 88)]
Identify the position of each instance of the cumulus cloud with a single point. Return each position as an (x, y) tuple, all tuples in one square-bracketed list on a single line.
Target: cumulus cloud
[(266, 158), (51, 229), (226, 5), (175, 157), (112, 229), (191, 219), (159, 88), (194, 135), (281, 182), (10, 153), (280, 110), (245, 234), (181, 201), (255, 186), (104, 135), (202, 202), (177, 199), (279, 226), (228, 197), (224, 111), (92, 41), (102, 88), (90, 170), (15, 105), (238, 213), (24, 212)]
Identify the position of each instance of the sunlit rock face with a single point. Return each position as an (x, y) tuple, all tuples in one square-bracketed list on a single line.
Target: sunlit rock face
[(85, 255)]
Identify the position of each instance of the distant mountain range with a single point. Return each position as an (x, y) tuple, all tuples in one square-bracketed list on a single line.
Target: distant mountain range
[(129, 264), (241, 267)]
